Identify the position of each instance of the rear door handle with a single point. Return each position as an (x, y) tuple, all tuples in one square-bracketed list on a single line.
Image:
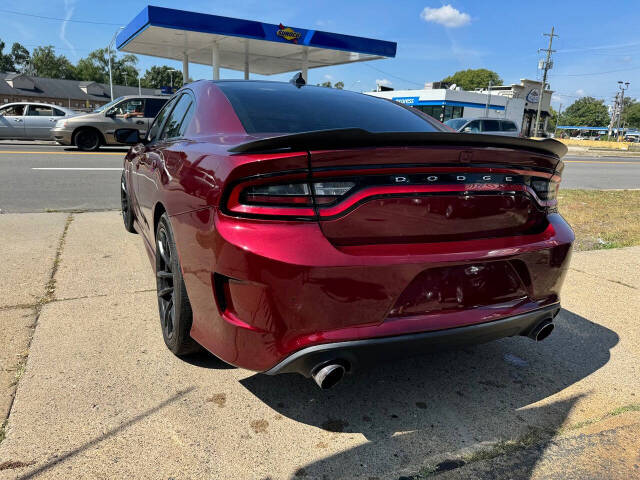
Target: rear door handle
[(139, 122), (17, 119)]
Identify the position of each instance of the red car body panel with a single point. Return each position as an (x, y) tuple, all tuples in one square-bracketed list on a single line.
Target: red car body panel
[(370, 266)]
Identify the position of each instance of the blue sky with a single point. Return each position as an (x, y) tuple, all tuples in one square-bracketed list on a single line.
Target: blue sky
[(434, 38)]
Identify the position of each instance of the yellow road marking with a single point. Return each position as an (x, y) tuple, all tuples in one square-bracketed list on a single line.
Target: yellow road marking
[(36, 152), (598, 161)]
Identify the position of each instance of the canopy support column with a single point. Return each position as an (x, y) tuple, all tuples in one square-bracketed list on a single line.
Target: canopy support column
[(215, 61), (305, 64), (246, 59), (185, 68)]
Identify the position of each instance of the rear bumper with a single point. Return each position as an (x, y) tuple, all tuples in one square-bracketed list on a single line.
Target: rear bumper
[(357, 353), (263, 290)]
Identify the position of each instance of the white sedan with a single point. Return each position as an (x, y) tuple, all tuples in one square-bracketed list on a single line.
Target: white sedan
[(30, 121)]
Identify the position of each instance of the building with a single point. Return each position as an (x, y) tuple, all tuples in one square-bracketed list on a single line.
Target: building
[(444, 104), (529, 92), (517, 102), (74, 94)]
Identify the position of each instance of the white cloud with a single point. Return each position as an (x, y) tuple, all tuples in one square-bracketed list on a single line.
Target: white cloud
[(446, 15), (328, 77), (383, 81), (68, 12), (580, 92)]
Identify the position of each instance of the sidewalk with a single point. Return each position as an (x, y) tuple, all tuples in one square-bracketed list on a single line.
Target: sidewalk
[(101, 397)]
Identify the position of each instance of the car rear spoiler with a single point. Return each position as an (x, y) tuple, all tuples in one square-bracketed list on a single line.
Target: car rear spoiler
[(356, 137)]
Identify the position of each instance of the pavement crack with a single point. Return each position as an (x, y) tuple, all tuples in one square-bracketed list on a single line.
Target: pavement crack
[(602, 278), (48, 297)]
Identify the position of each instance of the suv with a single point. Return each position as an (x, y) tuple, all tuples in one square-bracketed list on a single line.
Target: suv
[(88, 132), (488, 126)]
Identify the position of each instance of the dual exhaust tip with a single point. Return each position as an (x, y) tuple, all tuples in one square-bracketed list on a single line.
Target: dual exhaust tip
[(329, 374)]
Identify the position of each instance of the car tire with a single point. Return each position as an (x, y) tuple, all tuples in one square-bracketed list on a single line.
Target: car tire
[(173, 303), (125, 205), (87, 140)]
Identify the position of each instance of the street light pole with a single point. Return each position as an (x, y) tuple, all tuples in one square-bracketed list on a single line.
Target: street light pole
[(547, 66), (622, 89), (113, 39), (171, 70)]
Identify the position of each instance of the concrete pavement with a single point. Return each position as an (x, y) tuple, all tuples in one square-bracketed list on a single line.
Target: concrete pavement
[(101, 397)]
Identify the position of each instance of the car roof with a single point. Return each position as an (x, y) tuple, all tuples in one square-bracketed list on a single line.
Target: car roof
[(59, 107), (127, 97)]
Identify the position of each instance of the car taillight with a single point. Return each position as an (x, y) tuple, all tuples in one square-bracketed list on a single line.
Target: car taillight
[(545, 189), (286, 199)]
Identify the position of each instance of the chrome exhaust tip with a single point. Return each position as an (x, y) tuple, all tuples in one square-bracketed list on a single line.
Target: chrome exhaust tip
[(541, 331), (328, 375)]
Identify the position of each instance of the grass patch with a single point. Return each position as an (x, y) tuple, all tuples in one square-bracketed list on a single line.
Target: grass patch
[(602, 219)]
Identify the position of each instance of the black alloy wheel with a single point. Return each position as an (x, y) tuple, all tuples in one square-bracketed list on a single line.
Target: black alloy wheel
[(125, 204), (87, 140), (173, 303)]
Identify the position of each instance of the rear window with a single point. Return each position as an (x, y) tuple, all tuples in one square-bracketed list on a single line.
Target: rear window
[(490, 126), (272, 107), (153, 106), (508, 126)]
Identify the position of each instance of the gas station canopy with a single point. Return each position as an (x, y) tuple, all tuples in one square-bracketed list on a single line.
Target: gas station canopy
[(244, 45)]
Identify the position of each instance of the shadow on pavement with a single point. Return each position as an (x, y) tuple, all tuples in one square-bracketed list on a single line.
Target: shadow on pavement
[(110, 149), (437, 404)]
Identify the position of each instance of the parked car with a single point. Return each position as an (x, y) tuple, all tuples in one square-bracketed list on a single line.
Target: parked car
[(90, 131), (30, 121), (488, 126), (305, 229)]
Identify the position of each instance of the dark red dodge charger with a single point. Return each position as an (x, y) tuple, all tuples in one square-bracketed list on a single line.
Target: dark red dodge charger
[(304, 229)]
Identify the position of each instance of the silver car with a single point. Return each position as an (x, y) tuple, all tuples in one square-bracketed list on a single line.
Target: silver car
[(90, 131), (30, 121), (488, 126)]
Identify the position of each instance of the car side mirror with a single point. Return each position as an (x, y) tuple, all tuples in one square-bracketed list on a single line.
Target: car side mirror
[(467, 130), (110, 113), (129, 136)]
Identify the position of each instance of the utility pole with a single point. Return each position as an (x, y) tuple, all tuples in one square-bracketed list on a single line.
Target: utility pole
[(622, 89), (547, 65), (614, 113)]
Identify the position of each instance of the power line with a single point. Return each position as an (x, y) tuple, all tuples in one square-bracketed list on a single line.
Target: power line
[(594, 73), (391, 75), (12, 12)]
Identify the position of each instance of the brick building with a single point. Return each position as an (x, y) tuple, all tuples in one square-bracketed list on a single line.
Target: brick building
[(74, 94)]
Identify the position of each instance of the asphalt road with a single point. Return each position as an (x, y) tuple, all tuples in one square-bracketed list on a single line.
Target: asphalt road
[(38, 177)]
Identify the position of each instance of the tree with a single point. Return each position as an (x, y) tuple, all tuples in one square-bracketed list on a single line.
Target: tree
[(631, 115), (47, 64), (95, 67), (472, 79), (21, 57), (6, 61), (338, 85), (553, 119), (157, 77), (586, 112)]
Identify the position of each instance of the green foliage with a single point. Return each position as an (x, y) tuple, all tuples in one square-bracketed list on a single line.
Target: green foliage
[(21, 57), (338, 85), (6, 61), (157, 77), (47, 64), (586, 112), (471, 79), (631, 115), (95, 67)]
